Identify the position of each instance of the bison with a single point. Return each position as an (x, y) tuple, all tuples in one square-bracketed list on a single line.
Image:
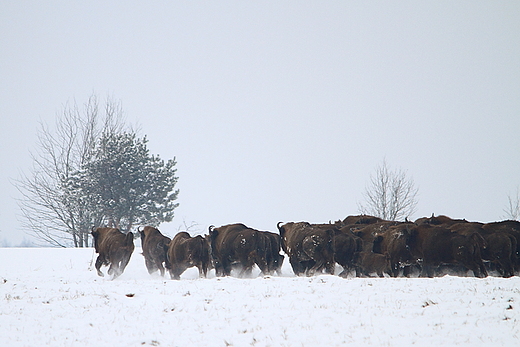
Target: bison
[(509, 227), (185, 251), (114, 249), (369, 262), (361, 219), (236, 245), (439, 220), (500, 248), (155, 247), (310, 247), (395, 242), (438, 245), (272, 252), (345, 245)]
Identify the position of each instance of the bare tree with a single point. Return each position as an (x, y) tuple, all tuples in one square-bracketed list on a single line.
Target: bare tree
[(513, 208), (53, 213), (390, 195)]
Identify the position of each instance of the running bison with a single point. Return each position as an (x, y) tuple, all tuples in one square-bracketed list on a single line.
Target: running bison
[(310, 247), (346, 244), (272, 252), (114, 248), (185, 251), (394, 241), (155, 246), (437, 245), (236, 245)]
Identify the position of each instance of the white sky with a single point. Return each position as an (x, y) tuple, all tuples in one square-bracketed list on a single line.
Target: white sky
[(279, 110)]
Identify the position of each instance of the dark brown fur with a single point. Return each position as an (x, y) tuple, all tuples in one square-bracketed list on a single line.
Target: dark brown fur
[(512, 228), (438, 245), (114, 249), (310, 247), (155, 246), (395, 242), (236, 245), (272, 252), (369, 262), (185, 252), (345, 245)]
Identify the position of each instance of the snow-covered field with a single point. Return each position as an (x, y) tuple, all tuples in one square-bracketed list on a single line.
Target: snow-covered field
[(49, 297)]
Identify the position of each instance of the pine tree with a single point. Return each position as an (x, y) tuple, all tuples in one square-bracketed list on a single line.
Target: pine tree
[(90, 170), (126, 185)]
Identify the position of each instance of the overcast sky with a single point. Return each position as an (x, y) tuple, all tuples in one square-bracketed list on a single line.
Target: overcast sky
[(279, 110)]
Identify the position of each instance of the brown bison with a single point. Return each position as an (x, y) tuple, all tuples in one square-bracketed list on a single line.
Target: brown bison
[(185, 251), (439, 220), (238, 246), (394, 241), (345, 245), (438, 245), (272, 252), (510, 227), (367, 233), (369, 262), (114, 249), (155, 247), (310, 247), (361, 219)]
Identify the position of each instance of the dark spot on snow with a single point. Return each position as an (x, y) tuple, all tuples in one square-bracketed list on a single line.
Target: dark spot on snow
[(509, 307), (130, 295), (428, 303)]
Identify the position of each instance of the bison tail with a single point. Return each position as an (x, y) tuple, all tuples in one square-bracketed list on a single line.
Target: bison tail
[(129, 238), (281, 230)]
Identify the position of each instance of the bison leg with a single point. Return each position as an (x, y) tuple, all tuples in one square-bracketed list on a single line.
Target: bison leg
[(330, 268), (99, 263), (203, 271), (124, 262), (114, 270), (345, 272), (297, 267), (226, 268), (427, 270), (507, 267), (160, 267), (173, 274), (262, 264), (150, 265)]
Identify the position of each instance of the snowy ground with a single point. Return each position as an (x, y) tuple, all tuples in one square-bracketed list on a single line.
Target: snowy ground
[(50, 297)]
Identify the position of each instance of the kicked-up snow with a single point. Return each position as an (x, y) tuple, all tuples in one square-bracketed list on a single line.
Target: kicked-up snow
[(53, 297)]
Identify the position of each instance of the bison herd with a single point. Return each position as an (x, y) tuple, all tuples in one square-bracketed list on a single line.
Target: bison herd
[(362, 244)]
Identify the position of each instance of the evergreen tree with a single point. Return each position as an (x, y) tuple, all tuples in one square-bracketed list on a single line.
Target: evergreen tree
[(126, 185), (89, 171)]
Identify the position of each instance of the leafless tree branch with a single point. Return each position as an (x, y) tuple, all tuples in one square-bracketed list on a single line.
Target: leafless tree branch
[(47, 209), (390, 195)]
